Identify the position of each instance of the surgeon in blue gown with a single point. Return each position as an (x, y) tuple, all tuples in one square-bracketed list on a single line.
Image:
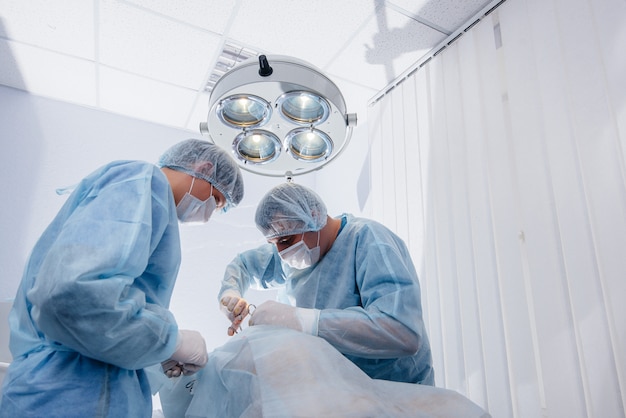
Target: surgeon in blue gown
[(345, 279), (91, 311)]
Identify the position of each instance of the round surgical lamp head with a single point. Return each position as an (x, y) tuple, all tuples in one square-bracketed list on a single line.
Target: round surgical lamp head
[(280, 116)]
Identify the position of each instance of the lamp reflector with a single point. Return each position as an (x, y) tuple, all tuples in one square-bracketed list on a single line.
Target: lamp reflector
[(309, 144), (244, 111), (257, 146), (304, 107)]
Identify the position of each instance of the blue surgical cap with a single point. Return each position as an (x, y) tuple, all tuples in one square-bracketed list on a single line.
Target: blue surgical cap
[(208, 162), (290, 209)]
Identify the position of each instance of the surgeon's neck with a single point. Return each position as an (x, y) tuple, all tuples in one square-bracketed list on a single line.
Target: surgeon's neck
[(328, 234), (179, 182)]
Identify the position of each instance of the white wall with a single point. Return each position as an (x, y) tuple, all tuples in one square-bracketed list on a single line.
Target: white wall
[(47, 145), (506, 176)]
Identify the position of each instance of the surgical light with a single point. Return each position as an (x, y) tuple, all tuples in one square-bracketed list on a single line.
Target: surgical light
[(279, 116)]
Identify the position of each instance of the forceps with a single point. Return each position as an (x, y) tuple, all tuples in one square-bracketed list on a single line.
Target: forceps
[(251, 308)]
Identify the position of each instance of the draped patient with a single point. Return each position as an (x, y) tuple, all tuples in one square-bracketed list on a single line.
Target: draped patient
[(344, 339)]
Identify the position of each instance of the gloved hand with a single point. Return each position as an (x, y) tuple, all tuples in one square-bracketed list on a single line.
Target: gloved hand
[(275, 313), (236, 309), (172, 368), (190, 352)]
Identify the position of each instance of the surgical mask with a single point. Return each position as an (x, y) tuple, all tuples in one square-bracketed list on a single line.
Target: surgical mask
[(299, 256), (190, 209)]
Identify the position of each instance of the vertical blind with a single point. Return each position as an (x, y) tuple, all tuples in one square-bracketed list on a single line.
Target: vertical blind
[(502, 164)]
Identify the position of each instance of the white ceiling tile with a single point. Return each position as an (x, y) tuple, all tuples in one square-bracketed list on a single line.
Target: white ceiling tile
[(314, 31), (146, 44), (53, 75), (356, 97), (64, 26), (10, 74), (200, 111), (449, 14), (145, 99), (377, 57), (170, 46), (212, 15)]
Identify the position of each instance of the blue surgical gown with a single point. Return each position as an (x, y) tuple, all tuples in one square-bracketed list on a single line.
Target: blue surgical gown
[(367, 290), (91, 310)]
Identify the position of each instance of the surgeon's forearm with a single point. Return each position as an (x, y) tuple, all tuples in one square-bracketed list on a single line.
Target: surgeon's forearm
[(128, 333), (230, 288), (235, 281), (368, 336)]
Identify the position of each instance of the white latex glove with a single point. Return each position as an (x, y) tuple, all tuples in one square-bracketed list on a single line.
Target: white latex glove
[(190, 351), (172, 368), (235, 308), (276, 313)]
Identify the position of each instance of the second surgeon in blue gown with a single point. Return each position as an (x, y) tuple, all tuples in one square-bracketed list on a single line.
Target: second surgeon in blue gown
[(91, 311), (348, 280)]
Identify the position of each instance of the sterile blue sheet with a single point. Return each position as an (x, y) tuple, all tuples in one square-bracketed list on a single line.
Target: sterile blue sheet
[(268, 371)]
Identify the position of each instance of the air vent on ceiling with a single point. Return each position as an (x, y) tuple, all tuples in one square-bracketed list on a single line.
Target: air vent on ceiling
[(231, 55)]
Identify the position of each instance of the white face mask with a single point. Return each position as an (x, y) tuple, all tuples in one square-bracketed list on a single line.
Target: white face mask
[(299, 256), (190, 209)]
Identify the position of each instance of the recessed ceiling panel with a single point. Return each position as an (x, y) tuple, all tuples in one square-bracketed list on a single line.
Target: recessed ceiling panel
[(154, 47), (145, 99), (52, 75), (199, 111), (449, 14), (315, 30), (64, 26), (385, 48), (10, 74), (361, 45), (211, 15)]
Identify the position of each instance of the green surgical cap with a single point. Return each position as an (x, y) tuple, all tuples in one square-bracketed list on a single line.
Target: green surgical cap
[(209, 162), (290, 209)]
